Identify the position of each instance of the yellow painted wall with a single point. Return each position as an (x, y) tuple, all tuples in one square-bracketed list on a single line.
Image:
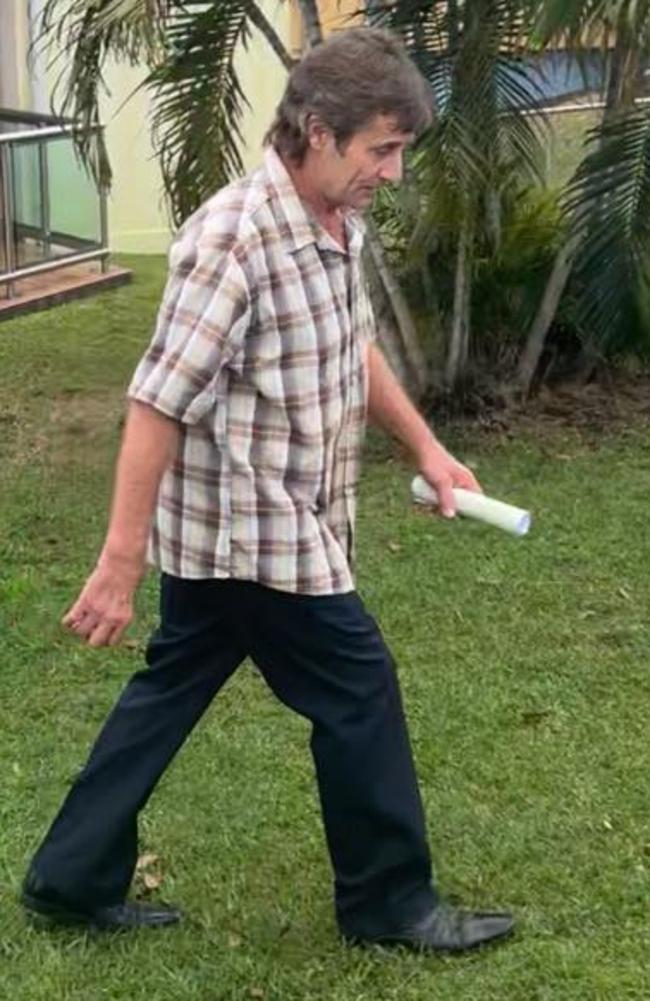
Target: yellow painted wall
[(138, 217), (263, 78), (338, 14), (334, 15)]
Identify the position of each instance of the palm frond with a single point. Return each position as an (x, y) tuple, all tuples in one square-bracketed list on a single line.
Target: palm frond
[(473, 59), (608, 203), (125, 27), (84, 34), (578, 22), (198, 102), (187, 47)]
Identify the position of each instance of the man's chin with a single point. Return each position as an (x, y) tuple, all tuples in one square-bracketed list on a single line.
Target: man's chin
[(363, 199)]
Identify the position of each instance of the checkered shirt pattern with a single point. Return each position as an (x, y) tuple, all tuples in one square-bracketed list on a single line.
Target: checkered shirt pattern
[(259, 354)]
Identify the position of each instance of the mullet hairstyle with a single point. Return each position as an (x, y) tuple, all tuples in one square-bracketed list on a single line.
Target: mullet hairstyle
[(345, 83)]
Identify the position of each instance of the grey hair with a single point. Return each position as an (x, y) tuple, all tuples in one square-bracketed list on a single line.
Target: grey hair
[(346, 82)]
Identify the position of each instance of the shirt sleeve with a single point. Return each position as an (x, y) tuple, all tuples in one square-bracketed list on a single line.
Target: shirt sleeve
[(203, 317)]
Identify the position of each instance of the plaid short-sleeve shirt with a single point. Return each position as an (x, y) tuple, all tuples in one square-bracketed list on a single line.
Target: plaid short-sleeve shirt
[(259, 355)]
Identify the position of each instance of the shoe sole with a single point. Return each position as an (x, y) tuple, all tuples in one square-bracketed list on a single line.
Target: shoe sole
[(422, 949), (38, 909)]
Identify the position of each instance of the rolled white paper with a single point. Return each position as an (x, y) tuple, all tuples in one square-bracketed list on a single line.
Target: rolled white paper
[(472, 505)]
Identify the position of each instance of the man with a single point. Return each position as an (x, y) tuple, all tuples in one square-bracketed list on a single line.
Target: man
[(241, 447)]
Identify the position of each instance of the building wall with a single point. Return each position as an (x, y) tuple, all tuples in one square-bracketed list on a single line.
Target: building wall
[(138, 217), (263, 78), (334, 15), (338, 14), (14, 41)]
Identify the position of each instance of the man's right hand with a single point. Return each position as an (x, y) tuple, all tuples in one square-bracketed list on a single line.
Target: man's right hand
[(104, 607)]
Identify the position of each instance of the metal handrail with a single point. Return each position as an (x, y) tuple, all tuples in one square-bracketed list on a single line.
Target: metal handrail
[(47, 129), (48, 132), (8, 277), (33, 117)]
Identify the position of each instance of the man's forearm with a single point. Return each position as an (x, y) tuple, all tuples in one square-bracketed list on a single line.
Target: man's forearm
[(391, 409), (148, 445)]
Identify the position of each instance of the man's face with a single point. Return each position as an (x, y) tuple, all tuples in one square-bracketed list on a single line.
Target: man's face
[(372, 157)]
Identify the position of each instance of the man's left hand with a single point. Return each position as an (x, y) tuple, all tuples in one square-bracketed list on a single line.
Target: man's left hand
[(443, 472)]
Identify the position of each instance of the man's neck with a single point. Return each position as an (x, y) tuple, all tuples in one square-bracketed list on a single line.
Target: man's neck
[(330, 216)]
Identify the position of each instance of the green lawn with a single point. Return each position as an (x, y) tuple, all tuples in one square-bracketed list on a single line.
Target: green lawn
[(525, 676)]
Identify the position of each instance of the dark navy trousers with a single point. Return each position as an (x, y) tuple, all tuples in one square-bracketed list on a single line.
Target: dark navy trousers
[(325, 658)]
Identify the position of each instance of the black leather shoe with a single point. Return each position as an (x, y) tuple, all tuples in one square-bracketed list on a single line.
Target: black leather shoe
[(39, 900), (446, 929)]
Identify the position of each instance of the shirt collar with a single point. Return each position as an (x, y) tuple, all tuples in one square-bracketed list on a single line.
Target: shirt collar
[(298, 227)]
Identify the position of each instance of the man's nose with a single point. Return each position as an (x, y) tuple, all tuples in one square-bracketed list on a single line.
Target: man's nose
[(392, 168)]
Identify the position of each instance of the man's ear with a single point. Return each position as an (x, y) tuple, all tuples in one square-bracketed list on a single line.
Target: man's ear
[(318, 135)]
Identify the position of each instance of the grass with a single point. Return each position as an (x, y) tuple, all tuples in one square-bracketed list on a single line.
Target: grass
[(524, 670)]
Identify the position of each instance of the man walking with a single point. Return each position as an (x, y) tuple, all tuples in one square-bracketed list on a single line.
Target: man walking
[(239, 467)]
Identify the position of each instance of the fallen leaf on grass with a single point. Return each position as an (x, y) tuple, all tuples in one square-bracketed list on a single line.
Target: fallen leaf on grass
[(146, 860), (148, 871)]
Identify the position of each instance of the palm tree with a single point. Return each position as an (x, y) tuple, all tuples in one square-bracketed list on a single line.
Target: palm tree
[(482, 143), (606, 258), (482, 151)]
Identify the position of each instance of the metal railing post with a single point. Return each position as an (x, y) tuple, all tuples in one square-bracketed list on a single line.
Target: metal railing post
[(103, 212), (7, 214), (44, 186), (103, 225)]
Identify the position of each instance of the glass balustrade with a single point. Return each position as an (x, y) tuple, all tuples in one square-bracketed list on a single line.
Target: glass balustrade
[(51, 210)]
